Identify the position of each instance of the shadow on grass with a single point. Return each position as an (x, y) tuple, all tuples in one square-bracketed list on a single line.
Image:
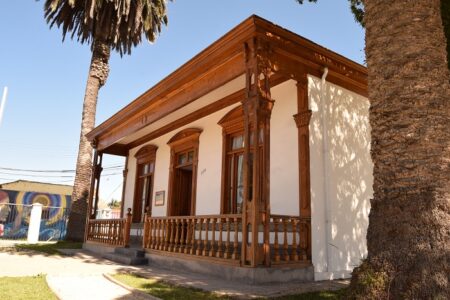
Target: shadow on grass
[(50, 248), (165, 290)]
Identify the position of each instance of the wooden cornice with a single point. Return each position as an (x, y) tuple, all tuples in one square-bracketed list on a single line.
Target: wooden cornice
[(220, 63)]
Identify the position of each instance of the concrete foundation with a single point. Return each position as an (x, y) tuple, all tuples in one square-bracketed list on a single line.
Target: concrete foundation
[(245, 275)]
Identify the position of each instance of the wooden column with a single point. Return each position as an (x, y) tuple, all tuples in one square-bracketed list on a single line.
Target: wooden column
[(257, 107), (91, 189), (302, 119), (125, 173), (97, 172), (93, 182)]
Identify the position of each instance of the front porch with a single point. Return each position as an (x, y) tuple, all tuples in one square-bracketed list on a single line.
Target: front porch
[(210, 245), (212, 238)]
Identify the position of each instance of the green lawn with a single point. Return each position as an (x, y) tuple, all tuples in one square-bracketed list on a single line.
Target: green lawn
[(30, 288), (167, 291), (50, 248)]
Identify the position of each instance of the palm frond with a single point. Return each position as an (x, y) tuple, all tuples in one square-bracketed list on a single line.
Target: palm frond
[(122, 24)]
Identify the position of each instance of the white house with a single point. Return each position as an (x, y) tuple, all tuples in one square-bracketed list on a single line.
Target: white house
[(296, 204)]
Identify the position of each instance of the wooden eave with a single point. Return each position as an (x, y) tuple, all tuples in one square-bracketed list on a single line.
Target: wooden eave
[(218, 64)]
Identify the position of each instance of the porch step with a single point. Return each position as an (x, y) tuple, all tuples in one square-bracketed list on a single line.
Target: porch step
[(127, 256)]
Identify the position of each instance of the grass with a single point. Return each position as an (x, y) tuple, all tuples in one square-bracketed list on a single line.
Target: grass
[(50, 248), (168, 291), (164, 290), (30, 288)]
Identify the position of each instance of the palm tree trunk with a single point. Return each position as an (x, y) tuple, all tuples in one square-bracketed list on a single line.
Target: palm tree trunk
[(98, 73), (408, 237)]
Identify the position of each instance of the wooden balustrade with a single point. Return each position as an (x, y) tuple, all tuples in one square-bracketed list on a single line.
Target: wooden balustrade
[(211, 237), (287, 229), (219, 237), (115, 232)]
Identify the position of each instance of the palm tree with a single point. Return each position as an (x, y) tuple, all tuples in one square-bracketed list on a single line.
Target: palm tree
[(408, 238), (104, 24)]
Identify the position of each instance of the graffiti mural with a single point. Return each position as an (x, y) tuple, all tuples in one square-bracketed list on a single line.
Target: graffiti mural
[(15, 208)]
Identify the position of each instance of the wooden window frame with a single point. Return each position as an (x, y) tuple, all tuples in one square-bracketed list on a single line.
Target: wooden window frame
[(145, 155), (185, 140), (232, 124)]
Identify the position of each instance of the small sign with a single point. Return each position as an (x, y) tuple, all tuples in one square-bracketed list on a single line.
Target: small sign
[(159, 198)]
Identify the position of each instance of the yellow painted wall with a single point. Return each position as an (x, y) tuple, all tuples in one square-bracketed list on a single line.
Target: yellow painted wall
[(40, 187)]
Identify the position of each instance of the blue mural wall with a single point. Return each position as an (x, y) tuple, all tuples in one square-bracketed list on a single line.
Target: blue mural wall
[(15, 208)]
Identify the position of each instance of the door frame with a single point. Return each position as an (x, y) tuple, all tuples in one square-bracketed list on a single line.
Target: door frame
[(187, 139)]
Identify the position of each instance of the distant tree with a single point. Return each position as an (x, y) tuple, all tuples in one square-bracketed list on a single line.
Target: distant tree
[(119, 25), (114, 203), (408, 238)]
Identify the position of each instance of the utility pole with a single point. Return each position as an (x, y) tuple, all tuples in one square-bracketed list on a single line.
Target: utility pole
[(2, 104)]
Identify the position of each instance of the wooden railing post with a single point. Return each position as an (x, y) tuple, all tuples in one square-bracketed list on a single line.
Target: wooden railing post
[(127, 228)]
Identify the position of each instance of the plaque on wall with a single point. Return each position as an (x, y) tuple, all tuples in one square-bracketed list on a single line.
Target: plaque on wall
[(159, 198)]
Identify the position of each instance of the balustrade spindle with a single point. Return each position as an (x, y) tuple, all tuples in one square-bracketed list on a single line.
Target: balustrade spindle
[(285, 241), (192, 250), (113, 235), (205, 242), (294, 255), (170, 234), (235, 244), (227, 243), (219, 246), (150, 236), (276, 246), (212, 250), (188, 236), (182, 242), (159, 224), (160, 240), (199, 241), (176, 241), (153, 234)]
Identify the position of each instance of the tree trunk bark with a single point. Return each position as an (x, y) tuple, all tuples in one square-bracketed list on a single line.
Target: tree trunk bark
[(408, 237), (98, 73)]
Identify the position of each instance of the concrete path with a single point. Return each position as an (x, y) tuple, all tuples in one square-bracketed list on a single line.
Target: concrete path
[(70, 278), (80, 277), (75, 287)]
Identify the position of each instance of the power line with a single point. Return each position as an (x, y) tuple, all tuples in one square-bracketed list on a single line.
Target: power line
[(53, 171), (49, 176)]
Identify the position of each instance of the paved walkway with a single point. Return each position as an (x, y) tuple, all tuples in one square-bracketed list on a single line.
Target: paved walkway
[(80, 277)]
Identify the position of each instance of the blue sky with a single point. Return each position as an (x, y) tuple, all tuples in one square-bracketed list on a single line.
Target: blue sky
[(46, 78)]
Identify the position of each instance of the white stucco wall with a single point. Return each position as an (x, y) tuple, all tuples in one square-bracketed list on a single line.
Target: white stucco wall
[(284, 151), (341, 179)]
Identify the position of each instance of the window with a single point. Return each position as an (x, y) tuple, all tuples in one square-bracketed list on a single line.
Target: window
[(233, 162), (234, 174), (145, 170)]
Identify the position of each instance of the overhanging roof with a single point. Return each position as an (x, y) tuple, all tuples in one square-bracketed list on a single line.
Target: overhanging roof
[(218, 64)]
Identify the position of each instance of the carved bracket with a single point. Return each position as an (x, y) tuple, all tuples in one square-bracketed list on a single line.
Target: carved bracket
[(302, 119)]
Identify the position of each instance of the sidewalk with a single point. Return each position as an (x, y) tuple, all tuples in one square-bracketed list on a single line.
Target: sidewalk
[(81, 277)]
